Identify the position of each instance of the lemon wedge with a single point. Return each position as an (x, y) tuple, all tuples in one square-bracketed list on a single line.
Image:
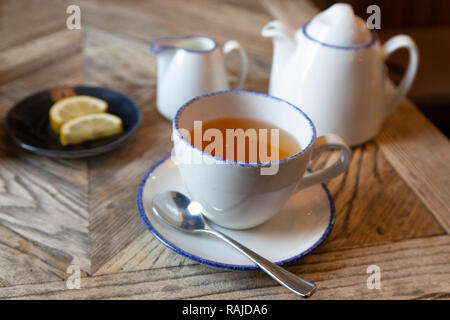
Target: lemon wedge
[(90, 127), (72, 107)]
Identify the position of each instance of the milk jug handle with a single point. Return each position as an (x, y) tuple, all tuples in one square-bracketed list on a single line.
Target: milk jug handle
[(229, 47), (393, 44)]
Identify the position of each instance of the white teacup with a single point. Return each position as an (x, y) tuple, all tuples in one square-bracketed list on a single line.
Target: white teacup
[(241, 195)]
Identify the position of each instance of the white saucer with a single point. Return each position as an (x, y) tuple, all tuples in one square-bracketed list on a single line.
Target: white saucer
[(300, 227)]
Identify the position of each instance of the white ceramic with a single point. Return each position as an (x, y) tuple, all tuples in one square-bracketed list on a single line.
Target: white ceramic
[(241, 195), (333, 68), (191, 66), (300, 227)]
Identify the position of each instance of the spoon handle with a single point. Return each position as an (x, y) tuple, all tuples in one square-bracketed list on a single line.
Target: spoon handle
[(294, 283)]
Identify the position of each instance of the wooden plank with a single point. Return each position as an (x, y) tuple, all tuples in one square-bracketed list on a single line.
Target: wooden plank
[(69, 71), (43, 201), (143, 253), (421, 155), (118, 63), (114, 221), (43, 216), (24, 261), (374, 205), (126, 66), (5, 103), (22, 21), (410, 269), (35, 54), (36, 190), (224, 20)]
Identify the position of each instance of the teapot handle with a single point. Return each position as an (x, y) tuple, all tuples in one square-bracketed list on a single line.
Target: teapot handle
[(393, 44), (229, 47)]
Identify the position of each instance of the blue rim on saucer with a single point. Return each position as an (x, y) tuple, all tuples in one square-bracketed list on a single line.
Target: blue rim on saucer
[(157, 235), (28, 123)]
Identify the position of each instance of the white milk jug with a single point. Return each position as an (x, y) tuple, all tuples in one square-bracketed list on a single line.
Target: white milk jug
[(191, 66)]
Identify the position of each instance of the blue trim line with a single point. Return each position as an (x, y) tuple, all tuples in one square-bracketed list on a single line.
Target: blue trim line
[(149, 226), (363, 46), (155, 48), (237, 163)]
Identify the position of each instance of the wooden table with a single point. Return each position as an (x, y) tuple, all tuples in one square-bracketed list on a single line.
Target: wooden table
[(393, 204)]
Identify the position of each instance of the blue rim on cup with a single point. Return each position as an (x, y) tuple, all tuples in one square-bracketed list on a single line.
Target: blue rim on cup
[(237, 163)]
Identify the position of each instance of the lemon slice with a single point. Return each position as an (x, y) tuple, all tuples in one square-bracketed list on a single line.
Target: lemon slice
[(72, 107), (90, 127)]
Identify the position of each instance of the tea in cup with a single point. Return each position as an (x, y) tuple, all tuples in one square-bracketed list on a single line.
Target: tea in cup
[(243, 186)]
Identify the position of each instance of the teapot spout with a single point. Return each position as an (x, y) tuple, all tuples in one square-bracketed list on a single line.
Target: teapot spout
[(284, 44)]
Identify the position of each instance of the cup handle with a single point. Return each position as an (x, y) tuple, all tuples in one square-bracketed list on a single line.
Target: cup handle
[(229, 47), (327, 142), (393, 44)]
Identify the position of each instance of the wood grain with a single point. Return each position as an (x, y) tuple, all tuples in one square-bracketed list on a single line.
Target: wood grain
[(409, 269), (20, 22), (27, 57), (68, 71), (114, 221), (421, 156), (369, 208), (43, 202), (392, 204), (44, 209)]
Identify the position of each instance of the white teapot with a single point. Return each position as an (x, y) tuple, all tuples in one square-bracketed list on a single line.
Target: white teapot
[(333, 69)]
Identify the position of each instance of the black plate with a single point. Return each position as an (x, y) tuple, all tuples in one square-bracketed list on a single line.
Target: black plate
[(28, 123)]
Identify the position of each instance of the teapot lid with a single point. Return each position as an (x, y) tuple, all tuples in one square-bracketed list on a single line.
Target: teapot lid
[(339, 26)]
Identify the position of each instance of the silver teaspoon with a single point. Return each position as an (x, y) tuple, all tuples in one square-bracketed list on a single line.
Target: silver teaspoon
[(180, 212)]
